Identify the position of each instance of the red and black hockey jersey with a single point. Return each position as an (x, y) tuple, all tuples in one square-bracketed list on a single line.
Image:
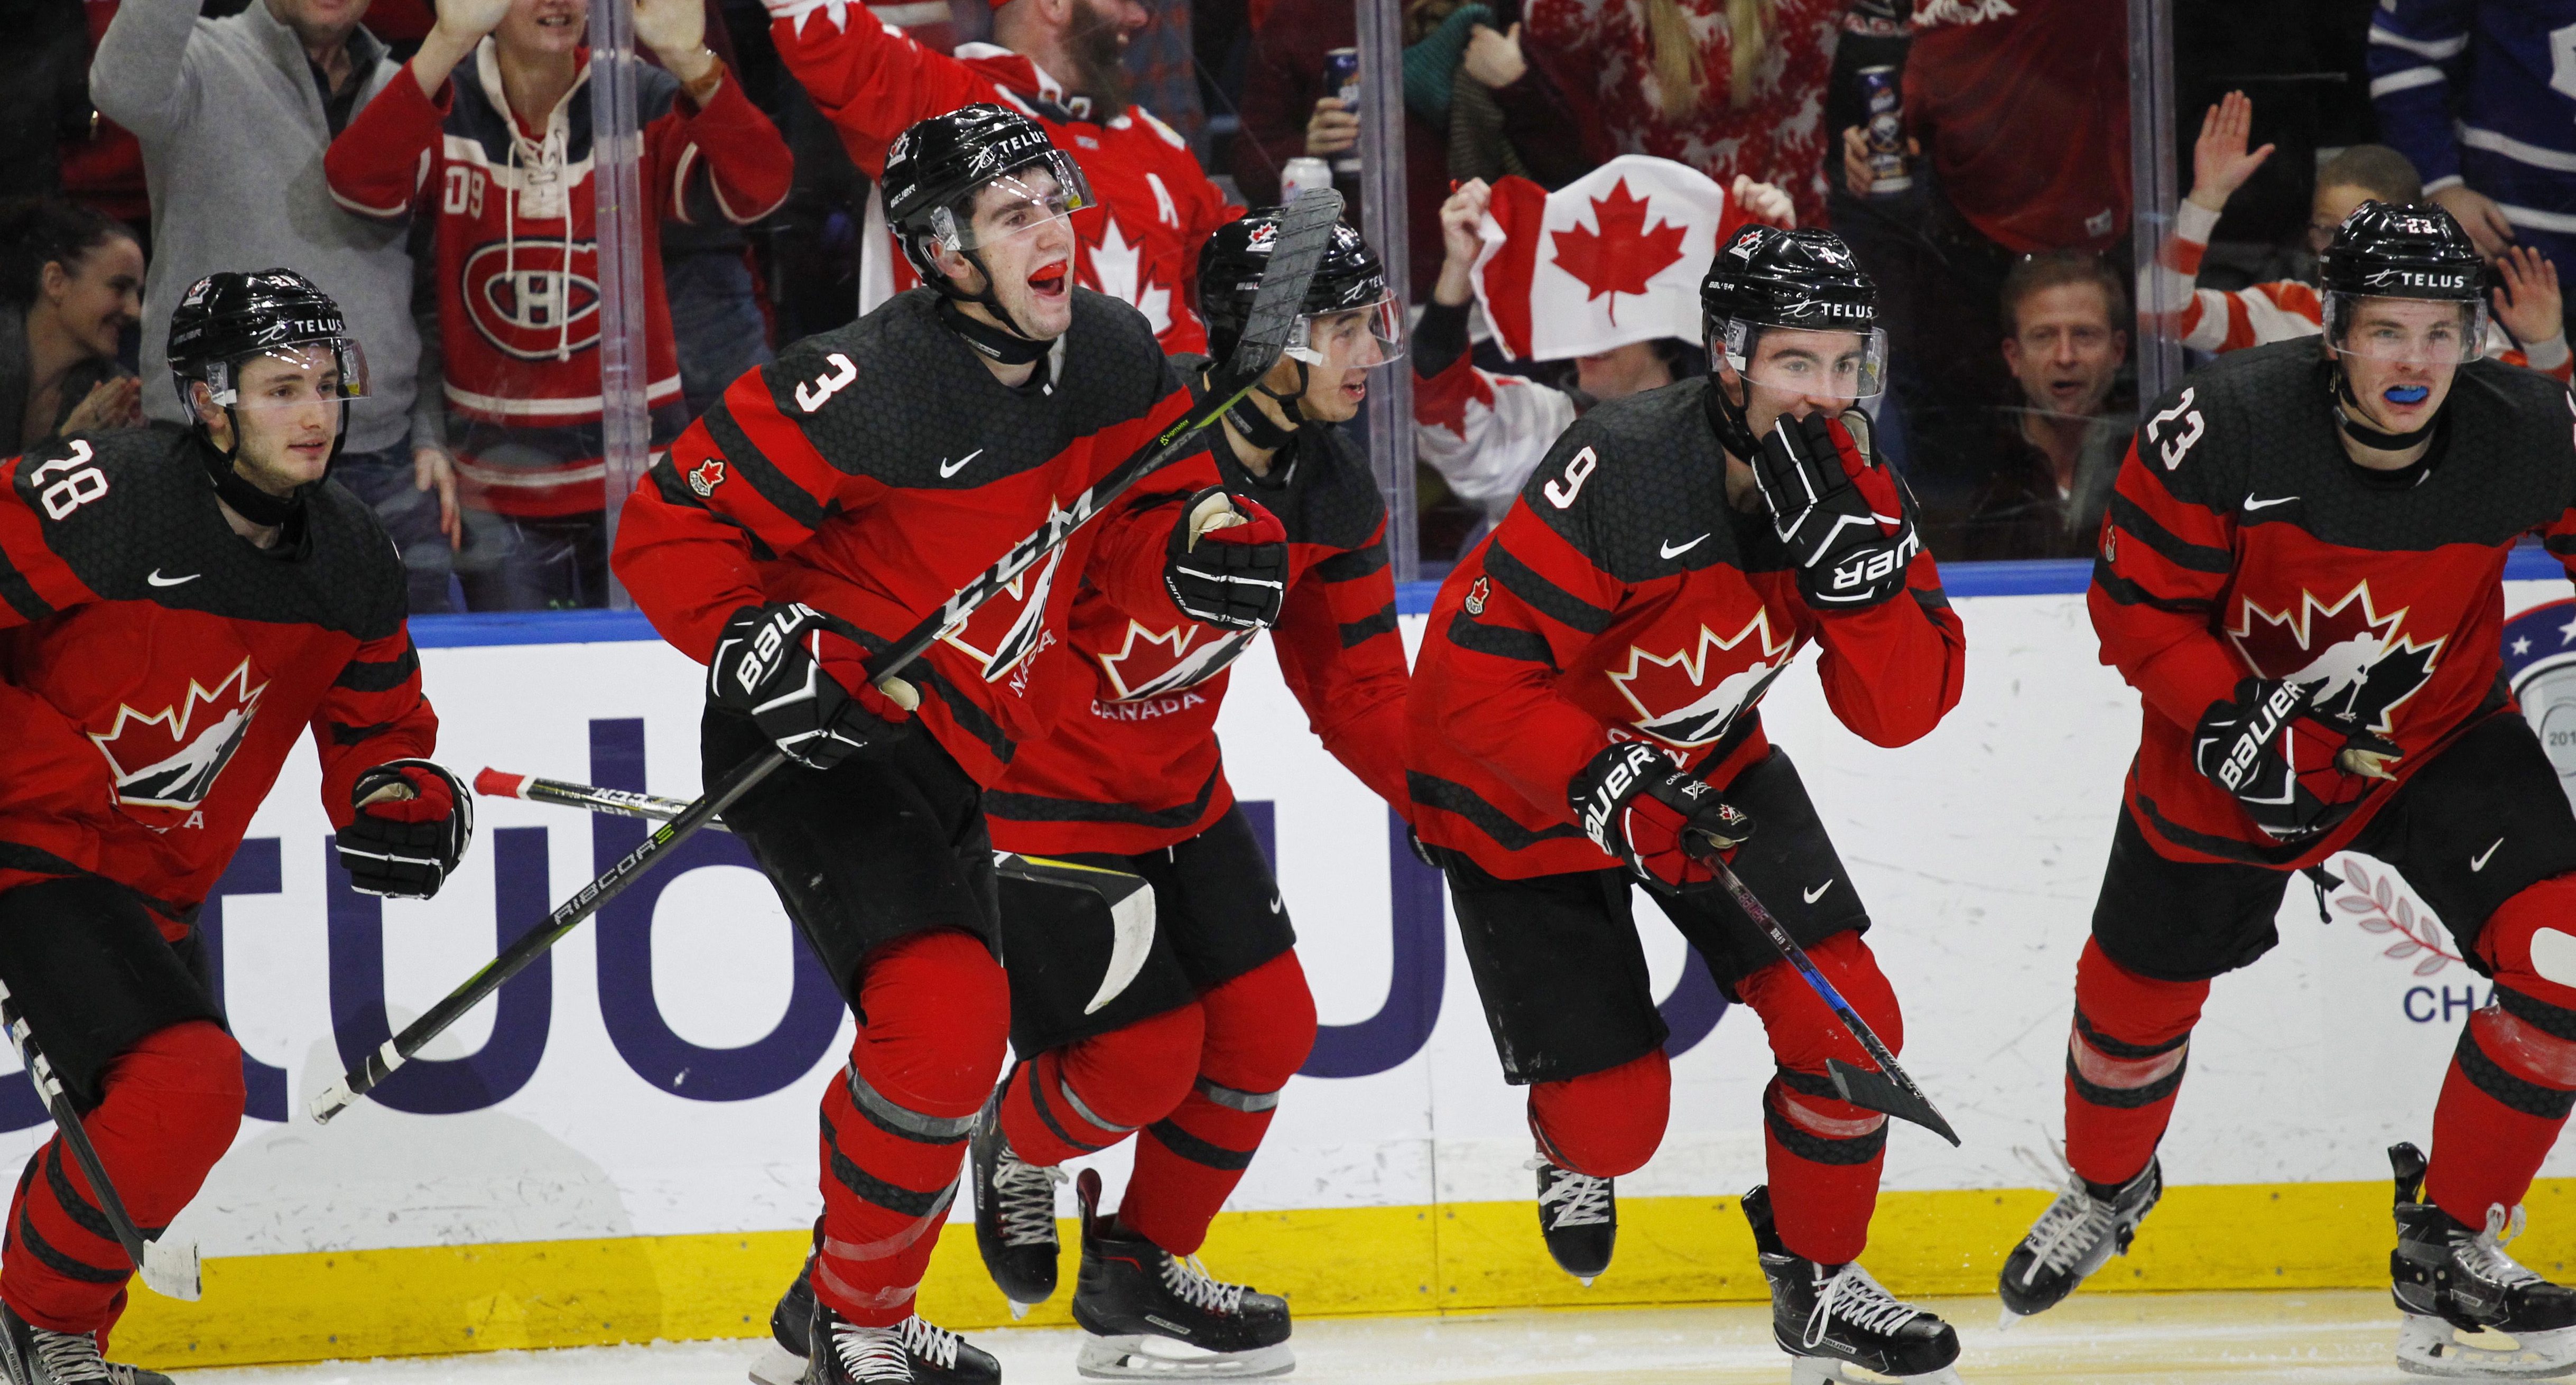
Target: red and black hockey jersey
[(518, 249), (873, 470), (1140, 245), (1623, 598), (1139, 767), (156, 667), (2241, 540)]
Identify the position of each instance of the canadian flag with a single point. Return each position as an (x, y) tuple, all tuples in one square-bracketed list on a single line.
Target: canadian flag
[(1612, 258)]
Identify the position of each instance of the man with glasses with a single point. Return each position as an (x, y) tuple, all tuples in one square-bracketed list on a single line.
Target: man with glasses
[(2300, 575), (1583, 718)]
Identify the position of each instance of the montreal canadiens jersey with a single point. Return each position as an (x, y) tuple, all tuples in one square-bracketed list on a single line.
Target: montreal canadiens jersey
[(1623, 598), (156, 668), (2241, 540), (1138, 767), (873, 470)]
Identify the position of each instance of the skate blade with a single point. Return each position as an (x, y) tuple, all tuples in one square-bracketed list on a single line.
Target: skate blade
[(1824, 1370), (1019, 1310), (2429, 1346), (1144, 1357), (776, 1366)]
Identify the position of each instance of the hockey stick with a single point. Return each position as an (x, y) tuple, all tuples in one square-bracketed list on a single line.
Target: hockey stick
[(1305, 233), (1127, 898), (169, 1268)]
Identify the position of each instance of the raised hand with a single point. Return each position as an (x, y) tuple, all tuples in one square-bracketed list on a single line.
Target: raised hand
[(2527, 302), (1494, 56), (676, 31), (2220, 163), (1460, 216), (2479, 216), (1764, 202)]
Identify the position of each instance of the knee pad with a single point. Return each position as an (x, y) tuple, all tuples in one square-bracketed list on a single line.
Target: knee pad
[(186, 1080), (1260, 1027), (1605, 1123), (1134, 1075), (935, 1019), (2530, 941), (1802, 1029)]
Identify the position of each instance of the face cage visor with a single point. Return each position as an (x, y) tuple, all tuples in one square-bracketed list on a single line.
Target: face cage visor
[(1360, 338), (1027, 198), (290, 377), (1819, 364), (2424, 331)]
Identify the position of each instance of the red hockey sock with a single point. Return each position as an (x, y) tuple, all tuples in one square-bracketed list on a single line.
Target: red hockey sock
[(1823, 1154), (1260, 1026), (1088, 1095), (2512, 1079), (895, 1121), (171, 1107), (1604, 1123), (2124, 1064)]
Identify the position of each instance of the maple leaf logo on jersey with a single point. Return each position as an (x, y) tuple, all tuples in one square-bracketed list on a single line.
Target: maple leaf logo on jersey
[(706, 476), (171, 757), (1152, 663), (1622, 254), (1117, 266), (1673, 693), (2357, 664)]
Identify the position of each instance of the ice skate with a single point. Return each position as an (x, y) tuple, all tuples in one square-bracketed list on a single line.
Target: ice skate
[(2077, 1235), (2471, 1312), (1839, 1325), (1014, 1214), (911, 1352), (1153, 1315), (782, 1358), (1579, 1216), (34, 1356)]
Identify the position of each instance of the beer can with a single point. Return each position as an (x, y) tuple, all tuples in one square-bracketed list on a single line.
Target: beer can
[(1342, 80), (1301, 173), (1883, 99)]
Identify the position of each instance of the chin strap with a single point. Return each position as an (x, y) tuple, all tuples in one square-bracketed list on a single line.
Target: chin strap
[(247, 500), (1005, 347), (1727, 419), (2353, 427), (1256, 427)]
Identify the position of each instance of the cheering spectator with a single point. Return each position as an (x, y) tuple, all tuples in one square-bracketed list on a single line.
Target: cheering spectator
[(516, 241), (234, 115), (1058, 61), (1729, 87), (2474, 93), (2527, 327), (2055, 455), (71, 280)]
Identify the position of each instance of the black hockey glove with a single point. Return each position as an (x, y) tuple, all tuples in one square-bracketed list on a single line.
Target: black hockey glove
[(1227, 562), (405, 843), (803, 682), (1844, 518), (1635, 805), (2288, 766)]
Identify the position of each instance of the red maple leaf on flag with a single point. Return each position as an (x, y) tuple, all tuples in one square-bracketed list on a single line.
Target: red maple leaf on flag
[(1622, 255)]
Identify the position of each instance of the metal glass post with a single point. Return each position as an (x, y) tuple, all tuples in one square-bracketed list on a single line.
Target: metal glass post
[(617, 150), (1382, 212), (2153, 190)]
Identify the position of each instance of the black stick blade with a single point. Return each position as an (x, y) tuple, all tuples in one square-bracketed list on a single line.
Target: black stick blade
[(1305, 233), (1878, 1092)]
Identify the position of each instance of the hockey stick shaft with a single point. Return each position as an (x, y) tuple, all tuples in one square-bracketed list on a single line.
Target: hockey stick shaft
[(170, 1271)]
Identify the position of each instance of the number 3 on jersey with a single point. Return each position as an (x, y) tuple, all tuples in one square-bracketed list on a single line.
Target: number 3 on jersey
[(813, 393), (83, 483), (2173, 443), (1578, 470)]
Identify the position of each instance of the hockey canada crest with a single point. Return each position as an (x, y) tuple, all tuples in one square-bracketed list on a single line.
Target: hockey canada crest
[(706, 476), (1151, 663), (170, 757), (2357, 664), (1692, 695)]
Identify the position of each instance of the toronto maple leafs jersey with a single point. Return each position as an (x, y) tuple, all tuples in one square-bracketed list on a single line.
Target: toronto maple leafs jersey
[(156, 668), (2241, 540), (2485, 93), (1623, 598), (873, 470), (1138, 767)]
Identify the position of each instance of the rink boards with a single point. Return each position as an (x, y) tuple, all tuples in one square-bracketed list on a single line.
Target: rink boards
[(624, 1148)]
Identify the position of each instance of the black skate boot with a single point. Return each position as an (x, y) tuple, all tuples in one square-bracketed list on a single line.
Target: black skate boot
[(782, 1360), (1014, 1214), (1152, 1315), (1578, 1214), (1830, 1318), (2471, 1312), (911, 1352), (34, 1356), (2078, 1234)]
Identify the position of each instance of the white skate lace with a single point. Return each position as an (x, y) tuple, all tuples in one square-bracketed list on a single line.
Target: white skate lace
[(1025, 1194), (936, 1345), (2073, 1224), (871, 1353), (1580, 1198), (1857, 1299), (70, 1357), (1190, 1281), (2485, 1255)]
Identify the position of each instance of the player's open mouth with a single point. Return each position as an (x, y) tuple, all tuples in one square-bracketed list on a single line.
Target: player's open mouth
[(1356, 390), (1049, 280), (564, 20), (2406, 396)]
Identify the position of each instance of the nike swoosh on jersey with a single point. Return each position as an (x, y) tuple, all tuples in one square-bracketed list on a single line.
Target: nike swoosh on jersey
[(2252, 504), (158, 580), (1818, 892), (947, 469), (1674, 550), (2479, 861)]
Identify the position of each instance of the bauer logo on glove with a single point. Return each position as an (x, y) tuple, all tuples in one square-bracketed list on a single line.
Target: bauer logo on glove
[(1661, 821), (803, 681), (1842, 517)]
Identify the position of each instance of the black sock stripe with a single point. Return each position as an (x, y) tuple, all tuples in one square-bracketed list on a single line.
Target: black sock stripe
[(2125, 1098), (2557, 1021), (62, 1264), (1037, 1099), (2110, 1047), (1198, 1151), (1810, 1084), (876, 1192), (76, 1207), (900, 1121), (1823, 1149), (2488, 1076)]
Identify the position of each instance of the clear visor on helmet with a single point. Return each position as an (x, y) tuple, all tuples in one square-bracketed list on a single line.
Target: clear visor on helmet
[(1802, 361), (1352, 339), (290, 377), (1023, 200), (2426, 331)]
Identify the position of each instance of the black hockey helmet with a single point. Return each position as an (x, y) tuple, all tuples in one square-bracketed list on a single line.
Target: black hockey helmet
[(938, 165), (2418, 251), (1802, 281), (1350, 278), (228, 318)]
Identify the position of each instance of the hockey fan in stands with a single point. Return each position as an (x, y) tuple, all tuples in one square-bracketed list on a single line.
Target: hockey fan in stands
[(1584, 709), (177, 607), (828, 502), (1056, 62), (2301, 576)]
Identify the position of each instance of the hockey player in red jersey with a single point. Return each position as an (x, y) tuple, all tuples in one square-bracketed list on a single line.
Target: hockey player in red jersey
[(2300, 574), (176, 608), (822, 507), (1583, 707), (1056, 62)]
